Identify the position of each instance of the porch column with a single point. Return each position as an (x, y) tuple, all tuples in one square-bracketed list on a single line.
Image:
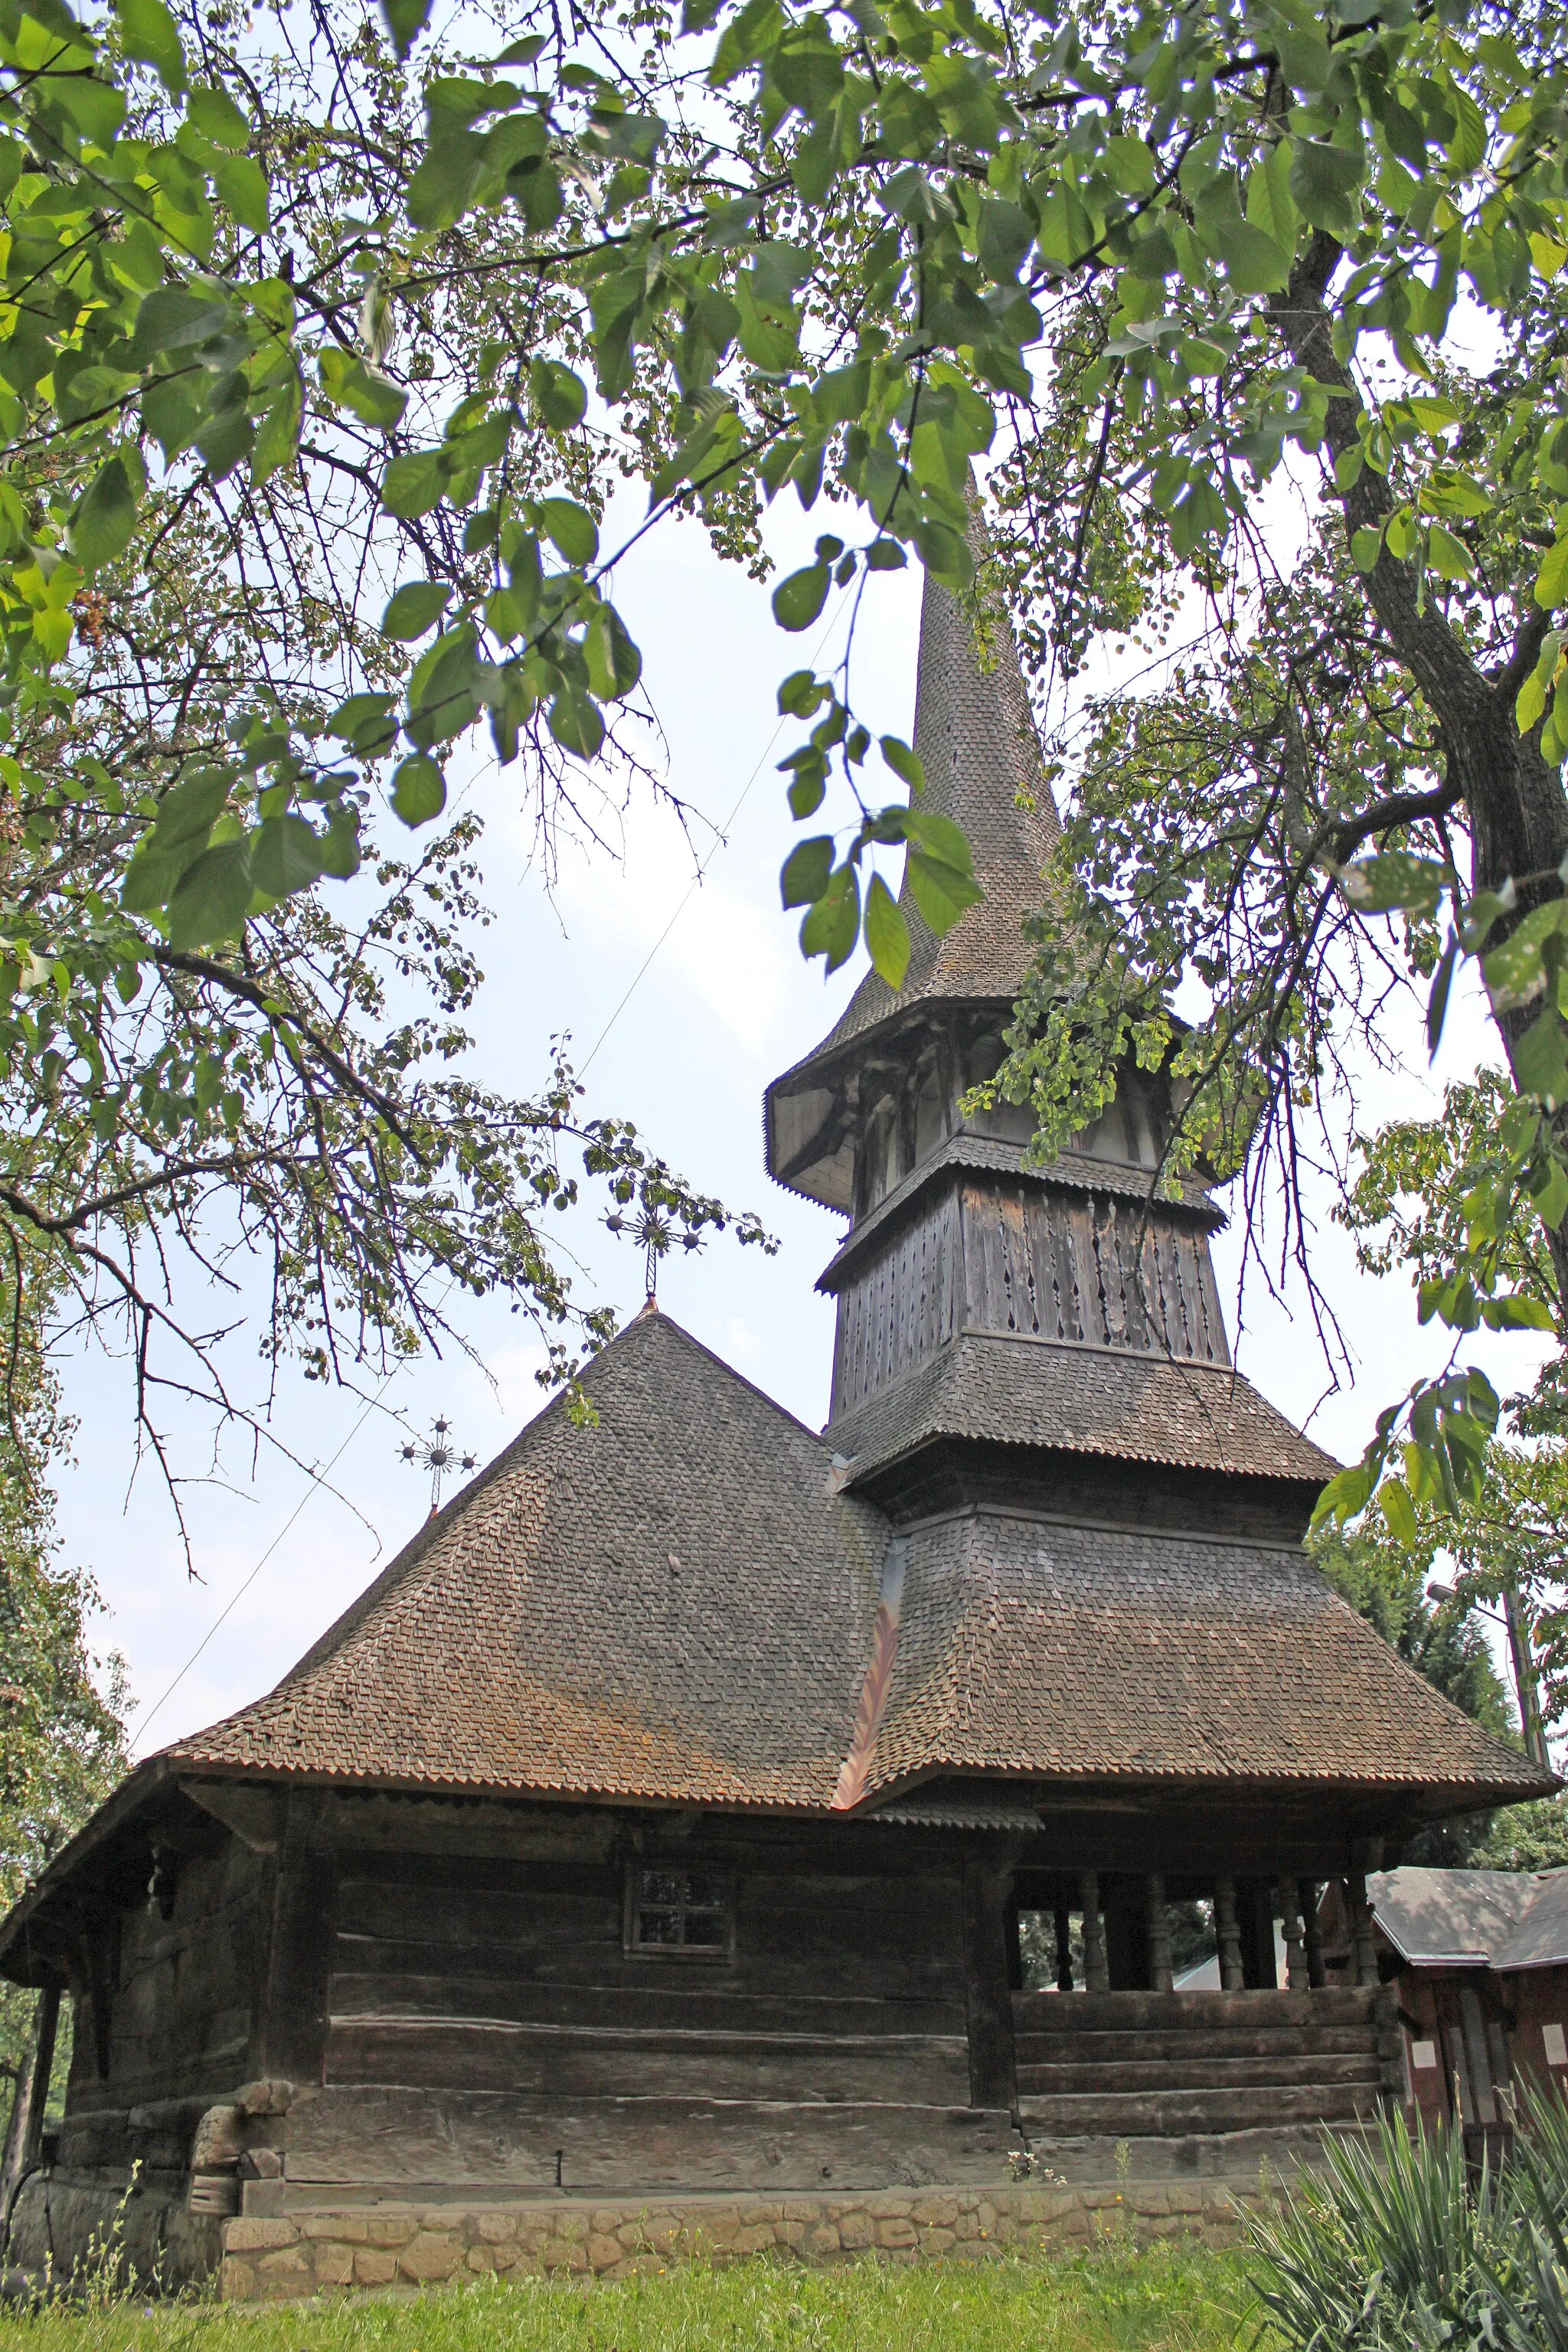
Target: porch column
[(1229, 1933), (987, 1998), (1364, 1954), (1062, 1918), (1159, 1933), (1096, 1966), (1294, 1934), (1317, 1970)]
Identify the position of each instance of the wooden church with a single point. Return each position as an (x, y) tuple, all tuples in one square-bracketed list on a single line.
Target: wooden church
[(660, 1822)]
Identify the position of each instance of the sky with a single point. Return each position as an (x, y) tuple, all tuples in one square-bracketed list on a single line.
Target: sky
[(684, 1045)]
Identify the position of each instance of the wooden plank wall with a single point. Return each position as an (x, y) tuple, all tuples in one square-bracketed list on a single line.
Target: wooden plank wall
[(484, 2015), (1041, 1264), (181, 1995)]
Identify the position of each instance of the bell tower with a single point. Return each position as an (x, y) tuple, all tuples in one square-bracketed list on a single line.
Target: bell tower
[(986, 1306)]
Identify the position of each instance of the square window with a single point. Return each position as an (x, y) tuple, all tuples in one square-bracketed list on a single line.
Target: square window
[(671, 1911)]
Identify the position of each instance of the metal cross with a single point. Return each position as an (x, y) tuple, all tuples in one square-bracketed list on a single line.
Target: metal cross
[(437, 1454)]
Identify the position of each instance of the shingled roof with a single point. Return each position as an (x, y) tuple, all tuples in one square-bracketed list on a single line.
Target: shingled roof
[(1079, 1654), (1077, 1398), (671, 1604), (681, 1605), (976, 736)]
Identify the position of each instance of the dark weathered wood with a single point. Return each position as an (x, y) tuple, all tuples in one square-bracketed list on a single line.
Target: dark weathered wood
[(1294, 1933), (988, 1998), (651, 1997), (1232, 1977), (403, 2139), (1096, 1966), (1159, 1934), (293, 2035), (1151, 2114), (24, 2134), (433, 2054), (1268, 2043), (1199, 2073), (1176, 2012)]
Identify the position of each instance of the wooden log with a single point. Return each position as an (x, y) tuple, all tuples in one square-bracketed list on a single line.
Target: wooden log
[(1160, 1977), (1174, 2013), (1276, 2044), (1317, 1967), (293, 2023), (1295, 1936), (1201, 2074), (1175, 2115), (1232, 1976), (403, 2140), (1364, 1936), (1095, 1963), (474, 2054), (988, 1998), (646, 1995), (1062, 1923)]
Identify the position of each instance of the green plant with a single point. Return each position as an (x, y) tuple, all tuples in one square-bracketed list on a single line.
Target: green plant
[(1387, 2247)]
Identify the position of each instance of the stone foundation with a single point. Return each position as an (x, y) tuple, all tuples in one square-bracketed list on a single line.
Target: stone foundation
[(408, 2247)]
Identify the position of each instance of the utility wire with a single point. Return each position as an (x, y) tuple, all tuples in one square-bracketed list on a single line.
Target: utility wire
[(318, 1478), (721, 841)]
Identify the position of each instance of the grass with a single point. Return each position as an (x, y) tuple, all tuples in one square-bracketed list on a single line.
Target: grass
[(1168, 2298)]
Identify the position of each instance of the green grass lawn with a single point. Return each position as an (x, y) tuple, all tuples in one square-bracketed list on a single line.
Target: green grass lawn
[(1167, 2299)]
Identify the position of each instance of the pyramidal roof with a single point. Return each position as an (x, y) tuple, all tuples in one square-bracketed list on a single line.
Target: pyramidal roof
[(974, 733), (681, 1604)]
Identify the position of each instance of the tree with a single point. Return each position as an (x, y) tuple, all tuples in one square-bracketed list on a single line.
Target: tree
[(1172, 271), (1384, 1580), (62, 1707)]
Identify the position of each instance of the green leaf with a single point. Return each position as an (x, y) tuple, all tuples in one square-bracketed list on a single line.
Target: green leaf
[(412, 609), (1396, 878), (1323, 183), (798, 600), (103, 522), (176, 319), (615, 663), (1270, 207), (214, 897), (1552, 579), (804, 874), (833, 924), (418, 790), (351, 382), (1253, 263), (406, 20), (942, 892), (415, 482), (241, 184), (150, 34), (802, 693), (1447, 555), (276, 439), (1399, 1517), (570, 529), (217, 117), (1366, 546), (561, 397), (907, 766), (189, 810), (941, 838), (285, 855), (1540, 1060), (887, 934), (576, 722), (1345, 1496)]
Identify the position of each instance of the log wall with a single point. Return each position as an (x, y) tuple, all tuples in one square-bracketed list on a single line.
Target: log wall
[(485, 2017)]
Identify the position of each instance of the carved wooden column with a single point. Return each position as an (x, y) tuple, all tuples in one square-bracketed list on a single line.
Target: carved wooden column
[(293, 2039), (23, 2138), (1316, 1969), (1228, 1929), (1063, 1923), (1294, 1934), (1159, 1933), (1096, 1966), (1364, 1956)]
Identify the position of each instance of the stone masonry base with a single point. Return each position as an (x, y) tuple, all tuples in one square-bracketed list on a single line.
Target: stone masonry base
[(410, 2247)]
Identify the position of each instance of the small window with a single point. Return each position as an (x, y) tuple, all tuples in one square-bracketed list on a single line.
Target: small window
[(671, 1911)]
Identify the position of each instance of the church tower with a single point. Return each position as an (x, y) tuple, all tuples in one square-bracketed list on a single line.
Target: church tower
[(988, 1310)]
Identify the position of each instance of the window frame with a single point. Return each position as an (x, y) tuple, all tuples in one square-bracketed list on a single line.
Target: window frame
[(632, 1904)]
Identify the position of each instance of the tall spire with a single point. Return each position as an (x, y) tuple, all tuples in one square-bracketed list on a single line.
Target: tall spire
[(976, 736)]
